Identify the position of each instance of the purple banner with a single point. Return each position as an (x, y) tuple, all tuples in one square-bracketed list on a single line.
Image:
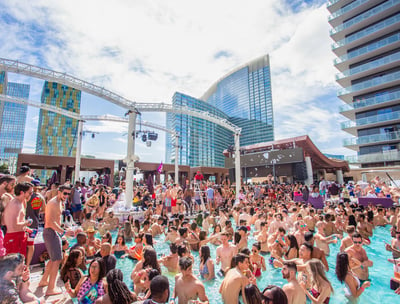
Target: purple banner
[(317, 202), (385, 202)]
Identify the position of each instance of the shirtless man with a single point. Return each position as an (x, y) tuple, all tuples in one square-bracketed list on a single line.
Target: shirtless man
[(292, 289), (347, 241), (358, 256), (263, 238), (157, 228), (52, 192), (379, 218), (316, 252), (15, 240), (235, 280), (394, 246), (7, 183), (321, 241), (171, 262), (24, 175), (310, 220), (225, 252), (187, 286), (52, 234)]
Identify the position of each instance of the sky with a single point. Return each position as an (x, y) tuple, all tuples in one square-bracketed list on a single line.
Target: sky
[(148, 50)]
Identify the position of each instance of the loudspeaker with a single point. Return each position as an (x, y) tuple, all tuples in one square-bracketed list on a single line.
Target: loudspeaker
[(300, 171)]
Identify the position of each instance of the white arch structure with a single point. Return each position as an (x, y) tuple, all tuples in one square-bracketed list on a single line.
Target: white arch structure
[(15, 66)]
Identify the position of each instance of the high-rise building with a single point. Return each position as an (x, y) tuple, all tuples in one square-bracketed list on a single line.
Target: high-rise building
[(57, 134), (12, 119), (367, 46), (242, 97)]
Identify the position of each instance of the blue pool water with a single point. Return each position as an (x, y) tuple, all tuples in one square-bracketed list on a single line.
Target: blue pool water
[(380, 273)]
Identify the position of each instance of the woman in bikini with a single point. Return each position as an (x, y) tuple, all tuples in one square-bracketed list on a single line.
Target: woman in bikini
[(344, 274), (321, 287), (257, 260), (206, 264), (120, 249), (70, 272)]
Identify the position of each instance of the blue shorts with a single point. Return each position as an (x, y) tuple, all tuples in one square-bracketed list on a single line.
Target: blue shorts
[(198, 201), (76, 208)]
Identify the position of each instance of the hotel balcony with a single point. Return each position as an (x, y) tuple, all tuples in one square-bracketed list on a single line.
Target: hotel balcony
[(355, 143), (346, 12), (334, 5), (381, 46), (378, 65), (387, 156), (367, 34), (376, 102), (373, 121), (385, 81), (370, 16)]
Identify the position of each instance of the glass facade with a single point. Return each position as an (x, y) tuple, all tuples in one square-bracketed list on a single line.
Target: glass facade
[(243, 97), (13, 118), (57, 134), (368, 34)]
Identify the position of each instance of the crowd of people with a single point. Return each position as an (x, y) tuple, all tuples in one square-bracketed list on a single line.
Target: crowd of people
[(262, 224)]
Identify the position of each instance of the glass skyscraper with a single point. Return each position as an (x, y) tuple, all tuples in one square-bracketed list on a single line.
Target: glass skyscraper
[(12, 119), (57, 134), (367, 46), (242, 97)]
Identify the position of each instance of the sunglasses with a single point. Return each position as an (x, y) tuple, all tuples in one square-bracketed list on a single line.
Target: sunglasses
[(66, 193), (397, 232), (254, 251), (357, 242), (303, 226)]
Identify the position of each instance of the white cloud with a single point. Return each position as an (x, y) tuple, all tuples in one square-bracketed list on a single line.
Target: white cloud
[(147, 50)]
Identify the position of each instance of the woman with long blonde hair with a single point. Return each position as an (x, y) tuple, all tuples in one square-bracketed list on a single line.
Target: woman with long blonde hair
[(321, 287)]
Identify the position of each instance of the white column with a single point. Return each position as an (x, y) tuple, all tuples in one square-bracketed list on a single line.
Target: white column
[(364, 177), (176, 158), (130, 161), (78, 150), (309, 179), (238, 170), (339, 176)]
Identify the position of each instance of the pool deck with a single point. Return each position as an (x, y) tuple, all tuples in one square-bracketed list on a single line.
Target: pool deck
[(36, 275)]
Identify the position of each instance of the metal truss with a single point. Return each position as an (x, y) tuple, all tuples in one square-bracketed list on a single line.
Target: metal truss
[(76, 116), (15, 66)]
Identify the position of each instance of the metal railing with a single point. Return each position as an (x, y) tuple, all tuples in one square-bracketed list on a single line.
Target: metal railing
[(361, 140), (374, 157)]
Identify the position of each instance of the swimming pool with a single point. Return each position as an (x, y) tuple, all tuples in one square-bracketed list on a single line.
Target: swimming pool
[(380, 273)]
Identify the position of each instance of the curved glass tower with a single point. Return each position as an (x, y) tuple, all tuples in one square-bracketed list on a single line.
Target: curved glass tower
[(243, 97)]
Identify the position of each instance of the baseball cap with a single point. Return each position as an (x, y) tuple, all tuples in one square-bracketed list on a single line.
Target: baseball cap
[(35, 182), (24, 169), (244, 228)]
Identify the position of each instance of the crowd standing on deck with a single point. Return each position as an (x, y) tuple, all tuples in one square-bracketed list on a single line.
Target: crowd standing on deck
[(289, 233)]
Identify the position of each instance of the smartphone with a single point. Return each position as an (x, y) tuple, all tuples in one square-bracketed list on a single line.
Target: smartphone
[(32, 235)]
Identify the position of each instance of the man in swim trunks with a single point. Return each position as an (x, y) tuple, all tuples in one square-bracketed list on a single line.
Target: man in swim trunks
[(358, 256), (188, 286), (236, 280), (292, 289), (225, 252), (15, 240), (52, 234)]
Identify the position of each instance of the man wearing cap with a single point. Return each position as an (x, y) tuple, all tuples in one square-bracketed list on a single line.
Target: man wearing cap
[(52, 234), (24, 175), (34, 207)]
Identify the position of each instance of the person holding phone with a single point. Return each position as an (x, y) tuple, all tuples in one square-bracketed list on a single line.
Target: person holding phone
[(34, 207)]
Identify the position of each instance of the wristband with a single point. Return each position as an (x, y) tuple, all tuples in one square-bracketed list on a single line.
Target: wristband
[(24, 281), (362, 288)]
